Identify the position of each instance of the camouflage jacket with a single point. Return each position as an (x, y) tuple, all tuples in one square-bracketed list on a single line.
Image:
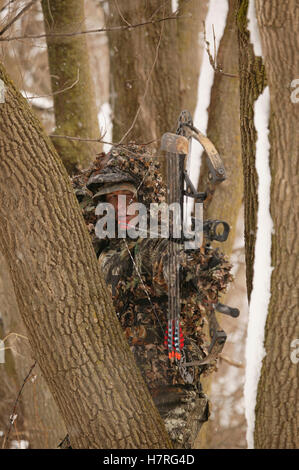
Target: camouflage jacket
[(136, 273)]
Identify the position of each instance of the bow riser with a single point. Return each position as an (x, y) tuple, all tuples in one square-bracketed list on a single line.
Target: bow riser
[(175, 149)]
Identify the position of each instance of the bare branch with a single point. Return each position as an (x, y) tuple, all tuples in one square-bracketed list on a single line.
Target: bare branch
[(58, 92), (6, 5), (163, 5), (14, 334), (13, 20), (120, 14), (215, 48), (231, 362), (41, 108), (213, 60), (80, 139), (83, 139), (91, 31), (12, 419)]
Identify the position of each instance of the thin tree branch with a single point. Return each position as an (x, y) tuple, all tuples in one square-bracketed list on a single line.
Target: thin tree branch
[(215, 48), (114, 144), (6, 5), (14, 334), (174, 12), (120, 14), (13, 20), (12, 416), (91, 31), (213, 60), (80, 139), (57, 92), (231, 362), (41, 108)]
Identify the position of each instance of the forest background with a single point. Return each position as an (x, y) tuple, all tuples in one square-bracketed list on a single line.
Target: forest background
[(233, 65)]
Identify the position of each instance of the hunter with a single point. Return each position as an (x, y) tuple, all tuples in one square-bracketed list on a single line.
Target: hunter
[(136, 271)]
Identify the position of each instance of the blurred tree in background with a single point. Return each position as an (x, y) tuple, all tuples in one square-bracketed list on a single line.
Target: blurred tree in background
[(72, 83)]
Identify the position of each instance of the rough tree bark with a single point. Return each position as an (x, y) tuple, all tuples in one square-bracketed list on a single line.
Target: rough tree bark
[(38, 419), (64, 302), (224, 132), (72, 83), (252, 83), (276, 423), (132, 57)]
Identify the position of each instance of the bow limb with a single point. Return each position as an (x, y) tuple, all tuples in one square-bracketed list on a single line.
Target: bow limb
[(215, 164)]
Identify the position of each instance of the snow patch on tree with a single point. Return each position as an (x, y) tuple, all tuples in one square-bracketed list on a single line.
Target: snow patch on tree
[(105, 124), (253, 29), (216, 17), (261, 292), (174, 5)]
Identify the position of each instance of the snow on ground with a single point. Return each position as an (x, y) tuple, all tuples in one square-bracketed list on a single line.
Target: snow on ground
[(260, 296)]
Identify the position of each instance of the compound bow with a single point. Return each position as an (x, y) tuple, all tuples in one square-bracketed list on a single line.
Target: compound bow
[(176, 147)]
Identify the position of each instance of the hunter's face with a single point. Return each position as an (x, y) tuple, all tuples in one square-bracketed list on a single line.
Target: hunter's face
[(112, 198)]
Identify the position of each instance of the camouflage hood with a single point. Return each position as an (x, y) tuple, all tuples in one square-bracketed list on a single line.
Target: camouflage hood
[(131, 167), (128, 167)]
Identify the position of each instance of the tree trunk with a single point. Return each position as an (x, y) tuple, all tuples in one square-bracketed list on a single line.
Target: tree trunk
[(147, 54), (276, 424), (224, 132), (252, 83), (72, 83), (38, 421), (154, 68), (191, 48), (68, 313)]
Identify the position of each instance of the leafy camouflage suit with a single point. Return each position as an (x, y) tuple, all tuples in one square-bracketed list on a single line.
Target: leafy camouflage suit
[(136, 271)]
